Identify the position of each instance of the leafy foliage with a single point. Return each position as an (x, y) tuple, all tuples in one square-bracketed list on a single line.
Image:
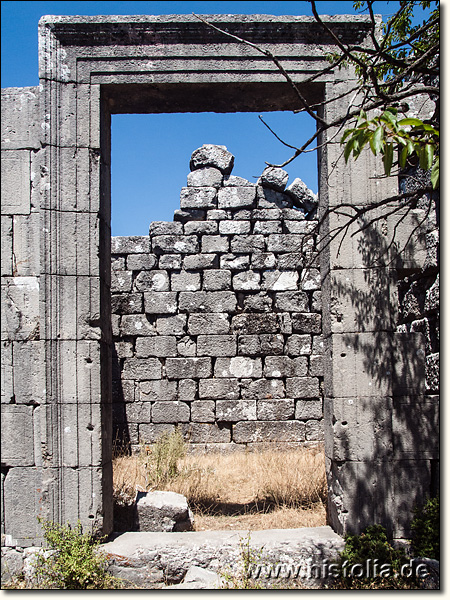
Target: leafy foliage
[(75, 563), (425, 527), (161, 458)]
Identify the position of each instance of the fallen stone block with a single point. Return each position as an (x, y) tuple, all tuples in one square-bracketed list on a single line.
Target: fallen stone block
[(163, 511)]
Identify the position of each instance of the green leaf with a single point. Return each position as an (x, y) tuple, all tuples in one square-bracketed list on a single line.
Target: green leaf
[(348, 148), (411, 121), (426, 156), (376, 141), (435, 174), (388, 158), (403, 156)]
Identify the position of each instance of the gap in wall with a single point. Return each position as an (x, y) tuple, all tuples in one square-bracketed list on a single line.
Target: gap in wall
[(150, 157)]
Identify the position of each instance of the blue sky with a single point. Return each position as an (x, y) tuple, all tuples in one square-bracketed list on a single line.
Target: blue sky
[(150, 153)]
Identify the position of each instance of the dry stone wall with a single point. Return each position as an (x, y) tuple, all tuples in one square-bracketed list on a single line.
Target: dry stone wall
[(217, 315)]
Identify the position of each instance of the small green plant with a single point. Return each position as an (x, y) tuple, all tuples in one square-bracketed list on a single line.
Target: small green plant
[(161, 458), (73, 560), (425, 528), (241, 577), (369, 561)]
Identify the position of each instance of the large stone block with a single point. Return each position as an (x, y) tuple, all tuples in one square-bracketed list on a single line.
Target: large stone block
[(188, 368), (141, 368), (268, 198), (219, 389), (302, 387), (205, 177), (136, 325), (292, 301), (7, 387), (121, 281), (20, 118), (235, 410), (409, 364), (238, 366), (160, 345), (133, 244), (186, 346), (415, 427), (234, 227), (246, 281), (207, 302), (215, 243), (308, 409), (280, 280), (170, 262), (246, 432), (284, 366), (160, 303), (150, 433), (216, 280), (203, 411), (20, 314), (17, 435), (236, 197), (175, 244), (248, 243), (265, 343), (127, 304), (314, 431), (16, 184), (208, 323), (163, 511), (171, 412), (172, 325), (185, 281), (210, 155), (187, 390), (158, 389), (201, 227), (216, 345), (204, 433), (307, 323), (286, 242), (298, 345), (20, 506), (198, 197), (165, 228), (249, 323), (142, 262), (195, 262), (275, 410), (234, 263), (152, 281), (28, 372), (26, 244), (7, 246), (263, 389)]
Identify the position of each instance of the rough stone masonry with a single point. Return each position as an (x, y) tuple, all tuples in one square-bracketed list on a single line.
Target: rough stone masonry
[(217, 315), (239, 257)]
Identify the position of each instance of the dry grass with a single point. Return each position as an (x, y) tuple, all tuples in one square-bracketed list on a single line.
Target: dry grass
[(252, 490)]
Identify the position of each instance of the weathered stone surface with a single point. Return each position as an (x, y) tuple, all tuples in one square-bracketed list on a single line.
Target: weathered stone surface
[(210, 155), (236, 197), (267, 227), (216, 280), (432, 372), (186, 346), (260, 344), (206, 177), (264, 260), (302, 195), (160, 303), (308, 409), (274, 177), (201, 227), (18, 435), (246, 281), (234, 227), (219, 389), (188, 368), (137, 244), (268, 198), (203, 411), (165, 228), (314, 430), (261, 302), (292, 301), (160, 345), (286, 242), (163, 511), (159, 389), (201, 261), (170, 262), (207, 302), (234, 263), (16, 185), (189, 214), (238, 366), (208, 323), (170, 412), (121, 281), (172, 325), (126, 304), (141, 262), (198, 197), (138, 412), (185, 281), (187, 389), (275, 410), (235, 410), (141, 368), (310, 279), (186, 244), (216, 345), (307, 322), (280, 280), (205, 433), (302, 387), (283, 366), (263, 389), (298, 345), (215, 243), (268, 431), (20, 314), (136, 325), (255, 323), (248, 243), (152, 281)]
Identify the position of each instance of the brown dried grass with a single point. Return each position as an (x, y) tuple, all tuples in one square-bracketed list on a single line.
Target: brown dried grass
[(264, 489)]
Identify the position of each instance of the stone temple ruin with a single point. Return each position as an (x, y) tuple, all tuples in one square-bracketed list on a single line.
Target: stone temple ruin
[(225, 321)]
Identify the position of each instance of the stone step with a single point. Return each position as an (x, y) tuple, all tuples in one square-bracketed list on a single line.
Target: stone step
[(151, 560)]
